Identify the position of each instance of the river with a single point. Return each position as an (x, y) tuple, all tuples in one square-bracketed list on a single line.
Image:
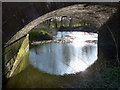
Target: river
[(58, 65), (66, 58)]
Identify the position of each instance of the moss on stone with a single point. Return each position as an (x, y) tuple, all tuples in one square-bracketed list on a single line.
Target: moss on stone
[(19, 62)]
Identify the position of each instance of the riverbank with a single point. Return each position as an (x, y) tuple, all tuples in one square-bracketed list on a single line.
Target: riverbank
[(39, 35), (60, 40), (33, 78)]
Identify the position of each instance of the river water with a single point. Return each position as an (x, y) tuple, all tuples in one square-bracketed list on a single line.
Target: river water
[(65, 58)]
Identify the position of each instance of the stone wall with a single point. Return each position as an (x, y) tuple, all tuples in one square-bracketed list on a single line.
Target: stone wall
[(109, 39), (18, 14), (15, 15), (97, 15), (16, 57)]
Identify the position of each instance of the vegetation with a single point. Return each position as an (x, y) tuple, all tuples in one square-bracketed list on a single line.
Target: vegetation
[(60, 39), (66, 26), (38, 35), (108, 79)]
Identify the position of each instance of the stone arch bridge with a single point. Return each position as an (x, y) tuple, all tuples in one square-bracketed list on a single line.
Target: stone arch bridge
[(105, 18)]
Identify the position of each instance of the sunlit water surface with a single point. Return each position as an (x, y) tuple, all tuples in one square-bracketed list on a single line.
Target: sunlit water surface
[(65, 58)]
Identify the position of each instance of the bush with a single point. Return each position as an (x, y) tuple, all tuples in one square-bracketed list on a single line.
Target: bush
[(108, 79), (40, 35)]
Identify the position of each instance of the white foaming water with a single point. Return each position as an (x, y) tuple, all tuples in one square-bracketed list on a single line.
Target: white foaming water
[(65, 58)]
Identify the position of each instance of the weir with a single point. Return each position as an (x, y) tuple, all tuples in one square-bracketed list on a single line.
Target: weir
[(103, 18)]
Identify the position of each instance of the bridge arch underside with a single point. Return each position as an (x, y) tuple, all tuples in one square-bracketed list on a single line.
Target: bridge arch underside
[(96, 15)]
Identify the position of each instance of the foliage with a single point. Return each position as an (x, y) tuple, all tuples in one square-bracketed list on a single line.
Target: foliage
[(67, 26), (60, 39), (39, 35), (108, 79)]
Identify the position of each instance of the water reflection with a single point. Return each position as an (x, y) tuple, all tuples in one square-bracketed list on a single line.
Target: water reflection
[(65, 58)]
